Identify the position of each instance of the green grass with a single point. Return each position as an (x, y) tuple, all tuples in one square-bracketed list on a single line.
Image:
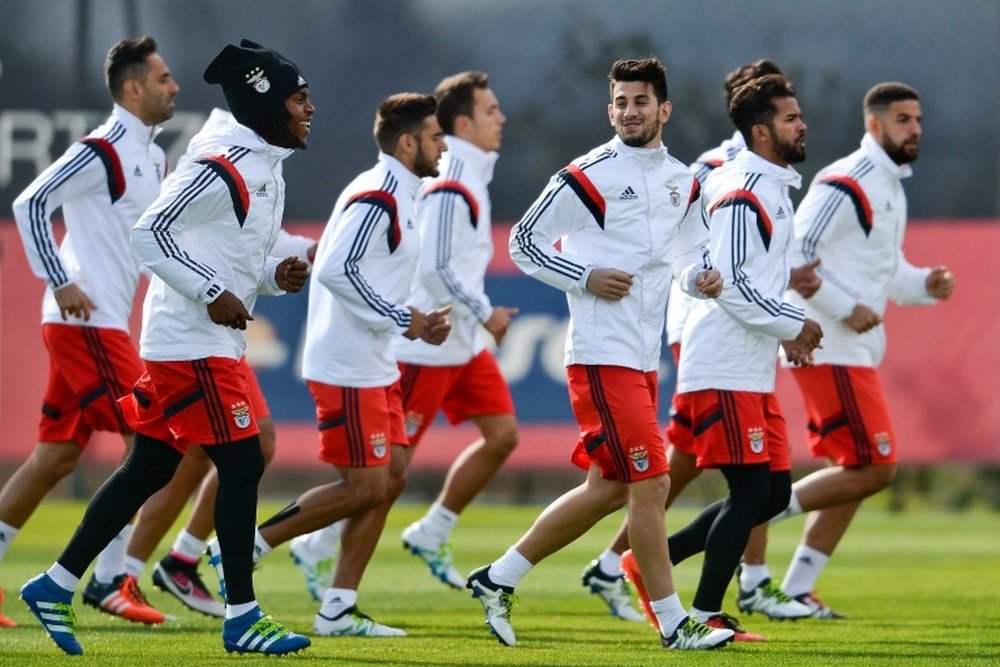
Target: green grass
[(921, 587)]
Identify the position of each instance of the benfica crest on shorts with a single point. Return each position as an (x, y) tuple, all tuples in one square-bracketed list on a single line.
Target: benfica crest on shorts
[(883, 444), (755, 436), (378, 444), (414, 420), (241, 414), (640, 458)]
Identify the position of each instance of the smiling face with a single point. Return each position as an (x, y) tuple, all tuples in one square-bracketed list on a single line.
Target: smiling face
[(636, 114), (300, 111)]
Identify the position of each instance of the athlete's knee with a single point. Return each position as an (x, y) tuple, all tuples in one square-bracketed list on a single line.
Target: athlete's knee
[(878, 477), (502, 439), (53, 461), (653, 490), (268, 439), (370, 492)]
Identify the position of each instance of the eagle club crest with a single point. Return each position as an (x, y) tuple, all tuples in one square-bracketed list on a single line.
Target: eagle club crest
[(640, 458), (378, 441), (241, 414), (675, 196), (755, 436), (883, 444), (256, 78), (414, 420)]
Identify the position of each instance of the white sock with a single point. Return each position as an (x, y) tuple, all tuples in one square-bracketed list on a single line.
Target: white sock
[(111, 561), (135, 567), (439, 522), (752, 576), (260, 546), (7, 535), (336, 600), (63, 577), (234, 610), (509, 569), (669, 613), (794, 507), (702, 616), (324, 541), (188, 547), (610, 563), (807, 565)]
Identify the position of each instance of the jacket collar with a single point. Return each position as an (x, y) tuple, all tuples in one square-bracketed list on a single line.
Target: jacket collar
[(134, 125), (241, 135), (408, 181), (479, 161), (877, 154), (648, 156), (747, 160)]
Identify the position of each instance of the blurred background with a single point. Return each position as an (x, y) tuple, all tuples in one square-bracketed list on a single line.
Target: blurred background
[(548, 62)]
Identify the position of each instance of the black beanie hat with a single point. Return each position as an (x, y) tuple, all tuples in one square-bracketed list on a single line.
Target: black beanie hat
[(256, 81)]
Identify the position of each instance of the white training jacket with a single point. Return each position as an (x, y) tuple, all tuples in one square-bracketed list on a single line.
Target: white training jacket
[(103, 182), (212, 229), (853, 219), (456, 246), (680, 303), (731, 342), (634, 209), (361, 279)]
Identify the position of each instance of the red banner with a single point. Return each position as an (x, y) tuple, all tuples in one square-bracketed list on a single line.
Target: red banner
[(941, 373)]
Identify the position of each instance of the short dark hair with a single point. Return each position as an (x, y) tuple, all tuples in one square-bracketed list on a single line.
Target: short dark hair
[(127, 60), (753, 102), (745, 73), (882, 95), (456, 96), (399, 114), (649, 70)]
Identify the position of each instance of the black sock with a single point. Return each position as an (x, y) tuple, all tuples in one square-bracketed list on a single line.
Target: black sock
[(150, 465), (240, 465)]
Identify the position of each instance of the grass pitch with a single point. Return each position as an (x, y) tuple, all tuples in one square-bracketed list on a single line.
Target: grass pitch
[(921, 588)]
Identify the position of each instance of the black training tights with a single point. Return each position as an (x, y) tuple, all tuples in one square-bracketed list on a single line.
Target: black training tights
[(149, 466), (240, 465), (723, 528)]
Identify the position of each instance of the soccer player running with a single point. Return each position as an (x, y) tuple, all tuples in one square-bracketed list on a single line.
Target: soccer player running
[(629, 217), (459, 376), (730, 346), (208, 247), (604, 576), (852, 220), (365, 263), (103, 183), (177, 572)]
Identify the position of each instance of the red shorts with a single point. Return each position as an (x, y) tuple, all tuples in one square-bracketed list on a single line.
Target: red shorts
[(197, 402), (848, 417), (469, 390), (739, 428), (257, 400), (616, 410), (90, 368), (358, 425), (678, 431)]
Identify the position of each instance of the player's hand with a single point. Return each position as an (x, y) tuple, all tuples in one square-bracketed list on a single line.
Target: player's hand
[(797, 354), (862, 318), (804, 279), (311, 253), (709, 283), (438, 326), (499, 322), (810, 335), (228, 310), (418, 322), (609, 283), (73, 301), (940, 283), (292, 274)]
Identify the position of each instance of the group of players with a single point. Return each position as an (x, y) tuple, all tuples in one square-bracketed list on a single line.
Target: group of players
[(405, 252)]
